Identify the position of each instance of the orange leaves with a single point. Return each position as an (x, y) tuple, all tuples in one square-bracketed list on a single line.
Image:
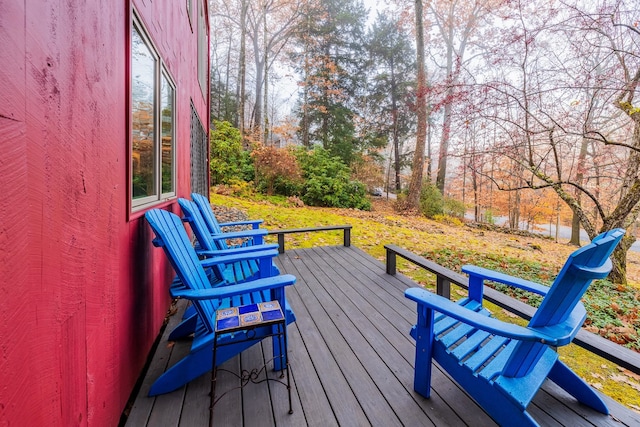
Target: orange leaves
[(272, 162)]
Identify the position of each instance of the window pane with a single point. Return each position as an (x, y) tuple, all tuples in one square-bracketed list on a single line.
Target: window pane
[(203, 49), (143, 65), (166, 105)]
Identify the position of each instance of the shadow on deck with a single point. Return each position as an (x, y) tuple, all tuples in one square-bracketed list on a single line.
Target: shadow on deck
[(351, 363)]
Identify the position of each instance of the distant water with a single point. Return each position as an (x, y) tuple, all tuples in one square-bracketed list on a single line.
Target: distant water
[(564, 232)]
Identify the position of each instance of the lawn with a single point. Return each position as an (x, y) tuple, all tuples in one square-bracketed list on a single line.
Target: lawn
[(534, 258)]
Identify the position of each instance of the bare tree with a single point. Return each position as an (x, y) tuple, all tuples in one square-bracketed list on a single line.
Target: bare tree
[(543, 141), (456, 22), (415, 185), (242, 68), (270, 25)]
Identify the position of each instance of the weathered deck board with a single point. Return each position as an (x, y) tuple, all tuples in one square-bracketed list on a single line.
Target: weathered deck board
[(351, 363)]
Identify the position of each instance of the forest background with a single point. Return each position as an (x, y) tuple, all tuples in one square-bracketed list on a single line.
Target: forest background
[(515, 109), (523, 110)]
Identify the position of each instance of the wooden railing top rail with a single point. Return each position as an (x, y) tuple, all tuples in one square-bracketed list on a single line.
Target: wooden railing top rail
[(281, 233), (596, 344)]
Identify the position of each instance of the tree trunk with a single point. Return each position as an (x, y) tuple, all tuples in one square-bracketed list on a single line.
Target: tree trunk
[(444, 145), (619, 260), (242, 67), (415, 186), (394, 118), (575, 221), (575, 230), (266, 79)]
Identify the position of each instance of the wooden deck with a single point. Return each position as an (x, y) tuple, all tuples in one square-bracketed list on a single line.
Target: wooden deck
[(351, 363)]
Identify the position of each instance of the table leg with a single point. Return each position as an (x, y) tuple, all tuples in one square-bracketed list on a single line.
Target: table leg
[(213, 381)]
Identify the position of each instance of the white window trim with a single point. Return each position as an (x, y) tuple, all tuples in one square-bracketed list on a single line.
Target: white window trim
[(138, 204)]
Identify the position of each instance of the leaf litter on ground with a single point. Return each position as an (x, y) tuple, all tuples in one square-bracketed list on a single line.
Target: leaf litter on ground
[(532, 257)]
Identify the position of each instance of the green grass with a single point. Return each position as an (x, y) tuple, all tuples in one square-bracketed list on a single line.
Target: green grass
[(453, 246)]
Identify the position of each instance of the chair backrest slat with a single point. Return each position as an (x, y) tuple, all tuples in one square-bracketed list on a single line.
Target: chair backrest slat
[(574, 279), (209, 218), (198, 225), (173, 238), (581, 268)]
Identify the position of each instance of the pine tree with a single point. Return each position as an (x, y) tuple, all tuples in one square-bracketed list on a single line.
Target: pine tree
[(331, 59)]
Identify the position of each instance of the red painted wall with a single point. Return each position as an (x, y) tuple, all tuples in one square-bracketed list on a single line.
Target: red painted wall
[(82, 291)]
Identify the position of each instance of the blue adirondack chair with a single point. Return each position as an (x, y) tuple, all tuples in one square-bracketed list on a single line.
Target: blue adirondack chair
[(502, 365), (207, 298), (207, 243), (252, 237), (239, 271)]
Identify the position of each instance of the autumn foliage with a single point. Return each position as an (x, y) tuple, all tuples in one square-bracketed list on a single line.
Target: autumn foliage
[(273, 163)]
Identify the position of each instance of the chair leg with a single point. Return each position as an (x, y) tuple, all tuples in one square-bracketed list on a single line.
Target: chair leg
[(424, 349), (184, 328), (575, 386)]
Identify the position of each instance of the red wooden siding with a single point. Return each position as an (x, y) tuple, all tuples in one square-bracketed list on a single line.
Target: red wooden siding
[(82, 291)]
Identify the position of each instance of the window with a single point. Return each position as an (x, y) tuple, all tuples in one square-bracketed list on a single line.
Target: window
[(203, 49), (152, 124), (190, 12)]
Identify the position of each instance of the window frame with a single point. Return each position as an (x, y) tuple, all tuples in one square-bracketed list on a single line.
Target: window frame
[(160, 72), (189, 7), (203, 47)]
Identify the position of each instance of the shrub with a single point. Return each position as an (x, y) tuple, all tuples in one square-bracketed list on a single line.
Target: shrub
[(276, 166), (228, 161), (327, 182), (453, 207), (431, 201), (448, 219), (489, 217)]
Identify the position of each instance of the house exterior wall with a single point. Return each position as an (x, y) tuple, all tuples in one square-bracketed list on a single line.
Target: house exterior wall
[(83, 293)]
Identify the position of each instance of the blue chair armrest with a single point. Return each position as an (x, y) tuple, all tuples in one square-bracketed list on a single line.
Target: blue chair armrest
[(593, 273), (239, 250), (482, 274), (240, 234), (230, 259), (255, 223), (478, 320), (239, 289), (567, 330)]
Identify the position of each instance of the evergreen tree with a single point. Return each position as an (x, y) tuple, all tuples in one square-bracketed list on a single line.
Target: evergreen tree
[(392, 76), (331, 62)]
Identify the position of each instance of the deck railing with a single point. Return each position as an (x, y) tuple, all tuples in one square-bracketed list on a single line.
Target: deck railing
[(281, 233), (596, 344)]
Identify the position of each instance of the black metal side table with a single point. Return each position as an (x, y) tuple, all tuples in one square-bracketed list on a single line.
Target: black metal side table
[(263, 320)]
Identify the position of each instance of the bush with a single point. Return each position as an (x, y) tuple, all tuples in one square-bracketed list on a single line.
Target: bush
[(448, 219), (489, 217), (453, 207), (328, 182), (277, 169), (229, 162), (431, 201)]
